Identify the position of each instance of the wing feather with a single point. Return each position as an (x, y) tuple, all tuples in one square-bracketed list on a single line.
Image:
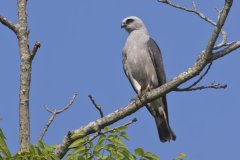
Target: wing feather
[(156, 56)]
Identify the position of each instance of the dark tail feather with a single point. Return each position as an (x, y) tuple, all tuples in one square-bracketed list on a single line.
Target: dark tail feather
[(158, 109), (164, 131)]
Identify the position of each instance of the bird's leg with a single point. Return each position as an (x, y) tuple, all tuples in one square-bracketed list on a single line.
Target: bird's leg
[(141, 93), (147, 89)]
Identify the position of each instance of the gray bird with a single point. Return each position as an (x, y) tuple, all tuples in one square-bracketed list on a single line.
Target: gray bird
[(143, 66)]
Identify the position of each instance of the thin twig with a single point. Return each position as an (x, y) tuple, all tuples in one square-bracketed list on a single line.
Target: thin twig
[(211, 86), (233, 46), (54, 113), (98, 107), (8, 24), (194, 10), (204, 17), (194, 5), (197, 81), (35, 48)]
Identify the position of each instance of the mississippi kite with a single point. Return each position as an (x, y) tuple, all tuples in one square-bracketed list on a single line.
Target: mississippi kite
[(142, 63)]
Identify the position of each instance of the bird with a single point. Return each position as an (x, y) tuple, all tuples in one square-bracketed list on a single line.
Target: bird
[(143, 66)]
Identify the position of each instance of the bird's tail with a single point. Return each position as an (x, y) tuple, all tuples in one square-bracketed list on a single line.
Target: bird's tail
[(158, 109), (164, 131)]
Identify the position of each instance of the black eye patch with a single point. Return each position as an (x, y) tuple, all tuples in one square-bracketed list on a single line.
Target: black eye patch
[(128, 21)]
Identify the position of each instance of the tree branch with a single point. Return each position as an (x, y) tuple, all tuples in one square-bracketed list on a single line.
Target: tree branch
[(202, 16), (197, 81), (233, 46), (213, 86), (54, 113), (194, 10), (96, 125), (98, 107), (8, 24), (35, 49)]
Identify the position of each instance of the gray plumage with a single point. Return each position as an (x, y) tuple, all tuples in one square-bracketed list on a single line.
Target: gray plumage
[(143, 65)]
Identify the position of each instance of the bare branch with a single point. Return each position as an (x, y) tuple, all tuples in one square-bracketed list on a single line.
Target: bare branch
[(218, 27), (232, 46), (35, 49), (211, 86), (48, 109), (194, 10), (194, 5), (197, 81), (98, 107), (8, 24), (201, 15), (54, 113)]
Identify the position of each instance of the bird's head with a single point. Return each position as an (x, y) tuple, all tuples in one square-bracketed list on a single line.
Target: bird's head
[(132, 23)]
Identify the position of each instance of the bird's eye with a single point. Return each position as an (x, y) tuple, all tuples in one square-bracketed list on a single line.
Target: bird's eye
[(128, 21)]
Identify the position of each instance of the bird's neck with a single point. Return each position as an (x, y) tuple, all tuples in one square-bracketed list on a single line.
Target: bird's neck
[(139, 34), (142, 30)]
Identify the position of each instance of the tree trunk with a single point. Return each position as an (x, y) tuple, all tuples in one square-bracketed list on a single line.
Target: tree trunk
[(25, 76)]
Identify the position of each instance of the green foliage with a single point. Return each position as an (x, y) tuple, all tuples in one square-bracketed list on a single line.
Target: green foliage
[(4, 151), (40, 151), (181, 156), (109, 146), (145, 155)]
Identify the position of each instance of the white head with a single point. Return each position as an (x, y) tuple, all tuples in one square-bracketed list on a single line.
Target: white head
[(132, 23)]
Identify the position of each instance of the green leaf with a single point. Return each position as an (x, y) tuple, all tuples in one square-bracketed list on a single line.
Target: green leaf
[(3, 146), (101, 139), (118, 142), (32, 150), (98, 147), (97, 154), (124, 135), (139, 151), (106, 129), (81, 150), (110, 147), (91, 144), (121, 128), (125, 153), (70, 156), (181, 156), (40, 144), (111, 138), (150, 156), (77, 143), (54, 157), (88, 156), (81, 158)]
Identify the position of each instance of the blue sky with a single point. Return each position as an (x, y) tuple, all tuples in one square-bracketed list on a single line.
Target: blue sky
[(81, 51)]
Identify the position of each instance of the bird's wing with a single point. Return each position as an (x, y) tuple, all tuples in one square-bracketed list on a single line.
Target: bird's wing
[(126, 71), (158, 108), (157, 61), (156, 57)]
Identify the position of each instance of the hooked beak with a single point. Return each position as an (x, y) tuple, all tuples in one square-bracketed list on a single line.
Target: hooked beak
[(123, 25)]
